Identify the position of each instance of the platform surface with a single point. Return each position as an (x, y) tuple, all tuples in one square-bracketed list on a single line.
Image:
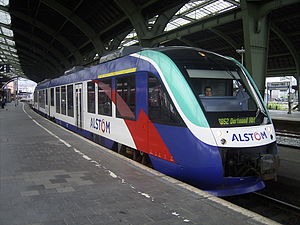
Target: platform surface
[(50, 176), (283, 115)]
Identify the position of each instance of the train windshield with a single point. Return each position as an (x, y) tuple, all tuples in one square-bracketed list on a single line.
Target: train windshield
[(221, 87)]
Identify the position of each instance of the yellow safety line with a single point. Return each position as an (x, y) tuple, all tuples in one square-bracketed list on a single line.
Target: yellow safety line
[(131, 70)]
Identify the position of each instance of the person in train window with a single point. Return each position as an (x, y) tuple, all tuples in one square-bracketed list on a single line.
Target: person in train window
[(208, 91)]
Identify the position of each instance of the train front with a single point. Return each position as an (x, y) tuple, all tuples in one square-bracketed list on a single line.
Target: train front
[(238, 121)]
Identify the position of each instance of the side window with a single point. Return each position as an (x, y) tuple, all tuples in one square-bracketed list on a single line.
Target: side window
[(52, 96), (160, 107), (70, 100), (125, 98), (57, 95), (91, 97), (63, 100), (104, 97)]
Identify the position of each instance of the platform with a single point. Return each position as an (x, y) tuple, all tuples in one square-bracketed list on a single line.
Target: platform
[(283, 115), (52, 176)]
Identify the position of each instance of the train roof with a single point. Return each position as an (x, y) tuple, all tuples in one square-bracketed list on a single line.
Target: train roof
[(90, 73)]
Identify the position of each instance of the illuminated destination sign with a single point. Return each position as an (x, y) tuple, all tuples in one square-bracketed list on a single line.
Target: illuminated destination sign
[(233, 121)]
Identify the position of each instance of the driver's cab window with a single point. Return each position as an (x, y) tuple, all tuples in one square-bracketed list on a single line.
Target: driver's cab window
[(221, 90)]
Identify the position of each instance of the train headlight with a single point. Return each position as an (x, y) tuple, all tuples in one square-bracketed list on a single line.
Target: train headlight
[(220, 133), (270, 130)]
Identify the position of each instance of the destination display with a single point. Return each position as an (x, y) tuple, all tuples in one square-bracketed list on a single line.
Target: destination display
[(233, 121)]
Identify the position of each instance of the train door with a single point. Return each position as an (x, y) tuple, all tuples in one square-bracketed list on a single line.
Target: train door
[(51, 102), (48, 100), (78, 105)]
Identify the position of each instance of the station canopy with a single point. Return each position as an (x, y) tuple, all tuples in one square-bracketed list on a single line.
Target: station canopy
[(42, 39), (8, 52)]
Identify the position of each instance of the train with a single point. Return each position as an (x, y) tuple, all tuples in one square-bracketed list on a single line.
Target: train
[(150, 105)]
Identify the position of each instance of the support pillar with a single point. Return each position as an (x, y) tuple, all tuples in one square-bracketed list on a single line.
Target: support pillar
[(256, 29)]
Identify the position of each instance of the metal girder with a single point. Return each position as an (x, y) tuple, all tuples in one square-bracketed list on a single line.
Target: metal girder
[(52, 33), (256, 39), (117, 41), (137, 20), (227, 38), (188, 42), (40, 52), (36, 57), (5, 25), (29, 59), (200, 25), (7, 37), (163, 19), (281, 72), (42, 43), (269, 6), (78, 22)]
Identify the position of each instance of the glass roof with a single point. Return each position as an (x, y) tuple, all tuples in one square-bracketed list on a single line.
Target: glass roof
[(193, 11), (8, 52)]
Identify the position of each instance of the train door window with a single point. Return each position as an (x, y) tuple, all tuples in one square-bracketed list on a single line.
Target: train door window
[(70, 100), (91, 97), (160, 106), (126, 91), (35, 96), (52, 96), (42, 98), (104, 97), (46, 96), (57, 95), (63, 100)]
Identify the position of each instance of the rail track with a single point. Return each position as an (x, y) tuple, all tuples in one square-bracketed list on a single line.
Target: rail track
[(270, 207), (289, 139)]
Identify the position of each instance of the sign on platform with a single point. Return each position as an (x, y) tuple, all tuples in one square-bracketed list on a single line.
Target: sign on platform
[(278, 85)]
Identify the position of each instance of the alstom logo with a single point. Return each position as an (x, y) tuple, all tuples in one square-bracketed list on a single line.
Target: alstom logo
[(256, 136)]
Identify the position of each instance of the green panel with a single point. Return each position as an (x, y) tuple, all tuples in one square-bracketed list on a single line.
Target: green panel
[(179, 87)]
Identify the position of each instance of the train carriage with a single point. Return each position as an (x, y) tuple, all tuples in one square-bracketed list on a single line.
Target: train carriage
[(150, 104)]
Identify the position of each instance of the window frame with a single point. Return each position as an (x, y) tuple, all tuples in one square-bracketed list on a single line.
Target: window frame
[(70, 103), (105, 81), (180, 122), (118, 115), (57, 100), (88, 96)]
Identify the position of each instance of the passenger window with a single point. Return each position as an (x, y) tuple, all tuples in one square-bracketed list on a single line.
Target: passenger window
[(63, 100), (126, 90), (52, 96), (104, 97), (91, 97), (57, 96), (160, 107), (70, 100)]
